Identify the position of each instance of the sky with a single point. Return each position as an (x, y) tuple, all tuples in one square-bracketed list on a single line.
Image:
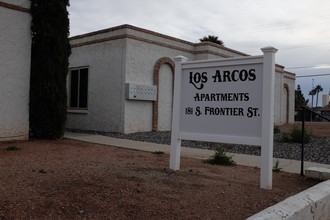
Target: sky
[(299, 29)]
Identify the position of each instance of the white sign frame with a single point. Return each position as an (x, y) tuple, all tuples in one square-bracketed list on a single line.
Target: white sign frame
[(265, 139)]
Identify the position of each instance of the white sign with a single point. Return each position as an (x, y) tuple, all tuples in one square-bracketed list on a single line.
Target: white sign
[(225, 100)]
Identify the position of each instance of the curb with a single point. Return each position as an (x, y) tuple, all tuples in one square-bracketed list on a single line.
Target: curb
[(319, 173), (313, 203)]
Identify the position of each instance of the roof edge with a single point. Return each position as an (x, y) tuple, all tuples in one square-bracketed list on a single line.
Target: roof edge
[(155, 34)]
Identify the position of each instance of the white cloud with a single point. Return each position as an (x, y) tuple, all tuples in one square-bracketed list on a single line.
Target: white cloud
[(242, 25)]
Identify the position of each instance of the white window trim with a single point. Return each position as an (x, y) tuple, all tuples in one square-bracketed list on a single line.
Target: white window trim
[(76, 110)]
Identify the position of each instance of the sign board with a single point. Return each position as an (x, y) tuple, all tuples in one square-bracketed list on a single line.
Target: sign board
[(225, 100), (222, 100)]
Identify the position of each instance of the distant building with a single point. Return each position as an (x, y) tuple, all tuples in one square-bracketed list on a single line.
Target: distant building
[(325, 100), (15, 57), (106, 65), (325, 109)]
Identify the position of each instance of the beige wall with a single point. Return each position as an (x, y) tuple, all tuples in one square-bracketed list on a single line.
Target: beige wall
[(105, 91), (15, 58), (128, 54)]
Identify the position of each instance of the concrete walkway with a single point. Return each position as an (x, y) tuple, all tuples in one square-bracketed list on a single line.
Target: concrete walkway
[(292, 166)]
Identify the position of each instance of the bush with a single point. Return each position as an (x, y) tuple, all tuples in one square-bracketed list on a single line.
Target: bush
[(286, 138), (49, 67), (295, 136), (12, 148), (277, 130), (158, 152), (220, 158), (276, 167)]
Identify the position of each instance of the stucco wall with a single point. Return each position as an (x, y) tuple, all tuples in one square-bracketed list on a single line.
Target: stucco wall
[(289, 80), (166, 77), (284, 90), (278, 98), (140, 60), (15, 60), (105, 90), (143, 51), (134, 53)]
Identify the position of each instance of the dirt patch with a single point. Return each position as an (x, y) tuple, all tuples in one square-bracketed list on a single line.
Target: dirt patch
[(317, 129), (69, 179)]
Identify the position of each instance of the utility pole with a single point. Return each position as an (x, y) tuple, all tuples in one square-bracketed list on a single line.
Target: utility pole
[(312, 93)]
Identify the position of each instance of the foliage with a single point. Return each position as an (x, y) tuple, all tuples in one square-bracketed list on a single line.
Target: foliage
[(42, 171), (276, 130), (312, 93), (220, 158), (158, 152), (318, 89), (49, 68), (12, 148), (276, 167), (295, 135), (299, 98), (315, 91), (213, 39)]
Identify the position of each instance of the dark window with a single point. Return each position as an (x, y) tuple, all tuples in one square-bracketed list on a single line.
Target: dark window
[(78, 88)]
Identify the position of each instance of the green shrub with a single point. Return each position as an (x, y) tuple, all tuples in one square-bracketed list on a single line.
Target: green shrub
[(295, 135), (158, 152), (277, 130), (286, 138), (220, 158), (12, 148), (276, 167), (49, 68)]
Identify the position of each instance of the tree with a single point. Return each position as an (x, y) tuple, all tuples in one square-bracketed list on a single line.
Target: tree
[(213, 39), (49, 68), (312, 93), (300, 100), (318, 89)]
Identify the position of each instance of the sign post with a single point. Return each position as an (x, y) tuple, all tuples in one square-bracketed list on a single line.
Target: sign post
[(175, 140), (225, 100), (267, 118)]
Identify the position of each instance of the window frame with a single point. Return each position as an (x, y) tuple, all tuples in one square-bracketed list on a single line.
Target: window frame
[(78, 109)]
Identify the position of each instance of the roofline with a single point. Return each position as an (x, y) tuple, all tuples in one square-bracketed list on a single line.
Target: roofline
[(14, 7), (128, 36), (221, 47), (155, 34), (127, 26), (290, 73), (283, 71)]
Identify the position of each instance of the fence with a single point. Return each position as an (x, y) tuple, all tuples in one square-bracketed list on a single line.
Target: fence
[(304, 109)]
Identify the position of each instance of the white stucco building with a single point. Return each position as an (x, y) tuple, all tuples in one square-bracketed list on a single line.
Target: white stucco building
[(103, 63), (15, 47)]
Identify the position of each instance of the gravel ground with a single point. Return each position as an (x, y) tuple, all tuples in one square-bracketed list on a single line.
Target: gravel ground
[(69, 179), (317, 150)]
